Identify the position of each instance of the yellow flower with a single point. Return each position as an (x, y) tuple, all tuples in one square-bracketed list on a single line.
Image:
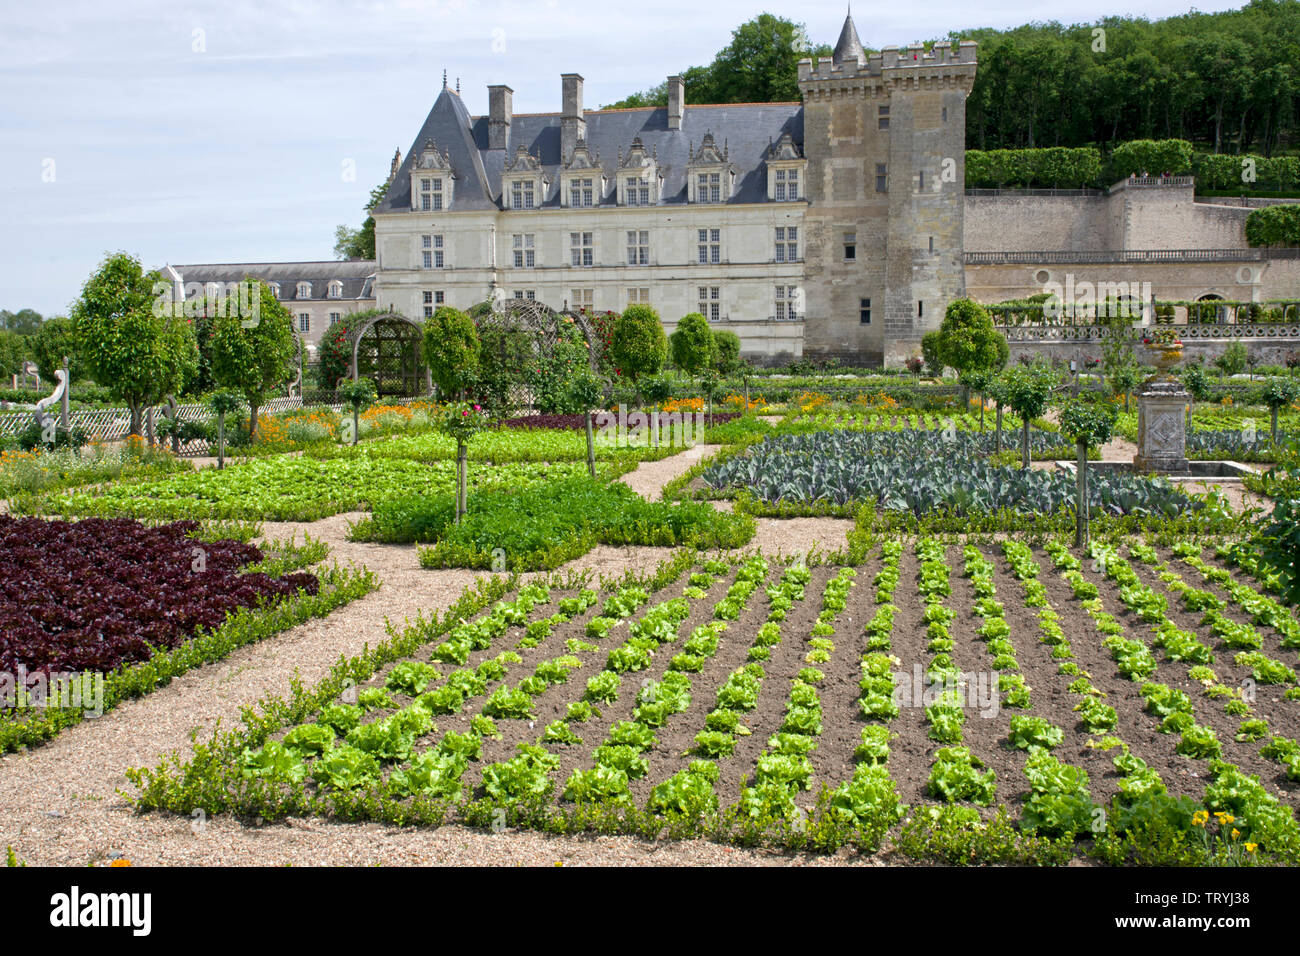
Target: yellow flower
[(1252, 847), (1199, 818), (120, 862), (1235, 833), (1223, 818)]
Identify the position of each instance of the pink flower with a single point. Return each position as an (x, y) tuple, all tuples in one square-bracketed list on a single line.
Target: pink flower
[(478, 408), (464, 413)]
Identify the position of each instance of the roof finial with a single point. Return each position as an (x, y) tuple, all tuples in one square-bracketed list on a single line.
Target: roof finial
[(444, 79), (458, 86)]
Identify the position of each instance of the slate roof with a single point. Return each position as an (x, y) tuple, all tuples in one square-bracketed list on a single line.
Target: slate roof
[(746, 128), (357, 276), (849, 47)]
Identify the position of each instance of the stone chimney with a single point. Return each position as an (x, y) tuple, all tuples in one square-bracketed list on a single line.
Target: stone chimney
[(500, 110), (676, 101), (573, 125)]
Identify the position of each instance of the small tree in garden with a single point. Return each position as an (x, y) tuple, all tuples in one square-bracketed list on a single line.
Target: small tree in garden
[(462, 421), (451, 349), (655, 389), (995, 389), (1278, 393), (358, 393), (692, 344), (967, 339), (711, 386), (1233, 359), (254, 355), (587, 394), (1085, 423), (977, 381), (1028, 389), (726, 352), (223, 403), (130, 341), (638, 342)]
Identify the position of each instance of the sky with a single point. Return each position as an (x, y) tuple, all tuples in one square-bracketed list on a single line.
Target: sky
[(247, 130)]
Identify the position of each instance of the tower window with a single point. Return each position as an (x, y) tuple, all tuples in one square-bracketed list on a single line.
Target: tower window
[(932, 243), (882, 178), (882, 117), (920, 309), (864, 311), (850, 246)]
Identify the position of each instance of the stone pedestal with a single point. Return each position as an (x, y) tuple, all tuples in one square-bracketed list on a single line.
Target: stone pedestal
[(1162, 427)]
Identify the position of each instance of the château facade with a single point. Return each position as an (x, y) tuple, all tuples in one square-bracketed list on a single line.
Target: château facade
[(837, 226)]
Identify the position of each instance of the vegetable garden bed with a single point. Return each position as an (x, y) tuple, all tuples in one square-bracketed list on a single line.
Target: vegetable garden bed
[(1108, 703)]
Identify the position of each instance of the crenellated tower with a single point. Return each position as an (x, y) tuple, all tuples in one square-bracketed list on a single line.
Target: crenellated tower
[(884, 135)]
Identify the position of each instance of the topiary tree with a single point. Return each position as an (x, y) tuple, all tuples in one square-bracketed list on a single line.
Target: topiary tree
[(977, 381), (1278, 393), (638, 343), (587, 393), (1027, 390), (967, 339), (254, 354), (223, 403), (1085, 423), (358, 393), (726, 352), (655, 389), (451, 349), (692, 344), (130, 338)]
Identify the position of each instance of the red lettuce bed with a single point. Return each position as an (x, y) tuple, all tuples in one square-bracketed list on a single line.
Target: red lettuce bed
[(98, 593)]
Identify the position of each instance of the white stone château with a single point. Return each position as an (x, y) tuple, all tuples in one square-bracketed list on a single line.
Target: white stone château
[(836, 226)]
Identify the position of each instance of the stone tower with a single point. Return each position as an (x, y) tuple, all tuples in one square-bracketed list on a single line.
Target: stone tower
[(884, 135)]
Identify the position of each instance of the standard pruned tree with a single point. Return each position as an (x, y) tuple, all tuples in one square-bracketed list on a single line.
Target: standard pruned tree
[(223, 403), (1279, 393), (253, 354), (1027, 390), (358, 394), (587, 392), (451, 350), (1085, 423), (130, 339), (692, 344), (968, 342), (638, 343)]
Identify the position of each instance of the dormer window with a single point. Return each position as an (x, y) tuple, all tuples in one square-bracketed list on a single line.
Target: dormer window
[(787, 184), (708, 187), (523, 184), (213, 290), (275, 289), (335, 290), (711, 177), (785, 167), (304, 290), (430, 194), (582, 180), (637, 191), (431, 179), (522, 195), (639, 180)]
